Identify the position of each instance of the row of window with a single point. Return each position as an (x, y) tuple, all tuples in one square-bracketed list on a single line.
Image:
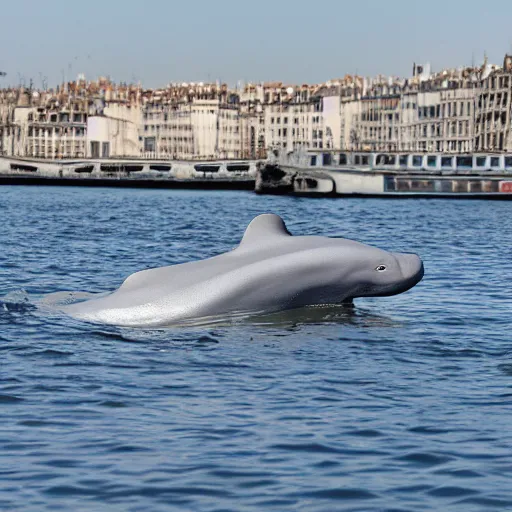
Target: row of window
[(297, 110), (496, 82), (380, 132), (177, 139), (404, 161), (56, 153), (493, 101), (303, 133), (460, 108), (157, 127), (49, 132), (166, 116), (59, 118), (453, 129), (378, 116), (490, 141)]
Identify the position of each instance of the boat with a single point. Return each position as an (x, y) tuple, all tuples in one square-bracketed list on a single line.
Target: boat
[(330, 173)]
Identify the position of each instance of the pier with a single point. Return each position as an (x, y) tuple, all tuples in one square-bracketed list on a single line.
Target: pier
[(131, 173)]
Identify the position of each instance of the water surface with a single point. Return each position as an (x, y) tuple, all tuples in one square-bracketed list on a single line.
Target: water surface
[(404, 404)]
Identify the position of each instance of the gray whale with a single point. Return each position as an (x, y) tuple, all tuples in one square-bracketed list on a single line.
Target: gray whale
[(269, 271)]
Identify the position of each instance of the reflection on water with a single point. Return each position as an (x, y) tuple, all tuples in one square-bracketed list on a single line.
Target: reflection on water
[(401, 403), (331, 314)]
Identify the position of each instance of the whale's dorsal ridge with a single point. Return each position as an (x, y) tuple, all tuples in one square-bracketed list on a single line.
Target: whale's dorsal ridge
[(263, 228)]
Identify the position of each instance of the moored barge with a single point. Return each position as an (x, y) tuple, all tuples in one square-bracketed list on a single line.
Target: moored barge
[(328, 173)]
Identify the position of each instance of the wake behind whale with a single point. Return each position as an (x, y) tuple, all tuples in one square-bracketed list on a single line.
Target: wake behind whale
[(269, 271)]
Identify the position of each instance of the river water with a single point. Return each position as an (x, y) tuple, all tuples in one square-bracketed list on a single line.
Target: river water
[(404, 404)]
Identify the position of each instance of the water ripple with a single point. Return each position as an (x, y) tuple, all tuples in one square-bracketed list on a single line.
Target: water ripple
[(400, 404)]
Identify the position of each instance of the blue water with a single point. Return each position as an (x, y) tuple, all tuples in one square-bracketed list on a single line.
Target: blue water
[(404, 404)]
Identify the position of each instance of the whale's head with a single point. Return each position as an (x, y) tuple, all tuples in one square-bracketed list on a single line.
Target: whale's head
[(321, 270), (378, 273)]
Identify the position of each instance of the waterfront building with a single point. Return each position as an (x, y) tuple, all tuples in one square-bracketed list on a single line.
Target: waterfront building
[(428, 112), (292, 117), (191, 121), (378, 118), (252, 126), (453, 111), (438, 112), (493, 110), (55, 124)]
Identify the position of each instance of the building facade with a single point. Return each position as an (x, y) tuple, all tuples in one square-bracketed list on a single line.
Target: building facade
[(453, 111), (493, 106)]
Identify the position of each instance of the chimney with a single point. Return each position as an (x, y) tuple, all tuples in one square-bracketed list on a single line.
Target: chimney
[(507, 63)]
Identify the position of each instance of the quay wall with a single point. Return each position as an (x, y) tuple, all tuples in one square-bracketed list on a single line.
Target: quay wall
[(138, 173)]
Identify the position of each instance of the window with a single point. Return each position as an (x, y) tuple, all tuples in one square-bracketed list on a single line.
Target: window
[(464, 162), (508, 162), (312, 162), (364, 160), (480, 161), (495, 161), (95, 149), (149, 144), (343, 159), (446, 161), (417, 160), (357, 160), (431, 161), (326, 159), (403, 160)]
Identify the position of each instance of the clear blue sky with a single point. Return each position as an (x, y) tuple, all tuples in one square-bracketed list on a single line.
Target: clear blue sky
[(159, 41)]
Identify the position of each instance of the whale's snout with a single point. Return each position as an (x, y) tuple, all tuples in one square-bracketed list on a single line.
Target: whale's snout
[(412, 270), (411, 266)]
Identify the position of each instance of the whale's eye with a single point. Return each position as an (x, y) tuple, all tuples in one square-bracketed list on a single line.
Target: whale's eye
[(381, 268)]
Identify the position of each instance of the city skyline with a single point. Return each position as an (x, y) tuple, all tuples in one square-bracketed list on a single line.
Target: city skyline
[(453, 111), (286, 42)]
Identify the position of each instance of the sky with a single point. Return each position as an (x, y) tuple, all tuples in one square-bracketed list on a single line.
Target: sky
[(160, 41)]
